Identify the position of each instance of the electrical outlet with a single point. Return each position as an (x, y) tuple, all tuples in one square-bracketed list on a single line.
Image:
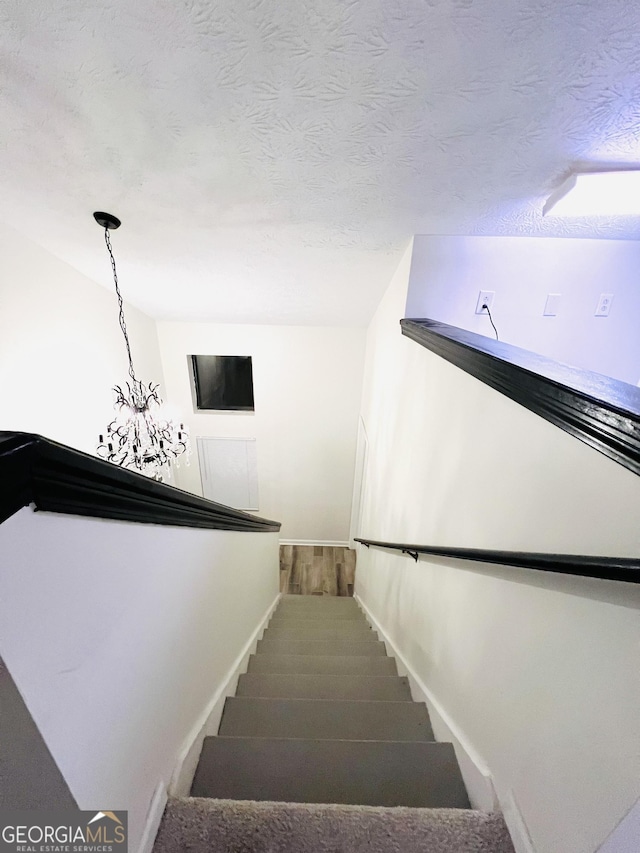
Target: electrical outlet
[(485, 297), (604, 305)]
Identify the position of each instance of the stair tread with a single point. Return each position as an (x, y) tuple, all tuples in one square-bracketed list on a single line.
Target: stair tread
[(325, 719), (299, 615), (320, 609), (387, 773), (348, 625), (321, 647), (320, 633), (305, 686), (355, 617), (336, 605), (262, 827), (286, 597), (319, 664)]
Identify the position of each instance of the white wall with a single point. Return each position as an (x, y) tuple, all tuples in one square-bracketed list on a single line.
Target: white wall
[(120, 639), (62, 351), (447, 274), (61, 348), (539, 673), (307, 385)]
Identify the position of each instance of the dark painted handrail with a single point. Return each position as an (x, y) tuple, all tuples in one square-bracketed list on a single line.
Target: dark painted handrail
[(609, 568), (602, 412), (56, 478)]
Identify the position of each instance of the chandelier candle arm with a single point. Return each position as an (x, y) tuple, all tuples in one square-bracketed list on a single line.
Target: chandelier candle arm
[(140, 436)]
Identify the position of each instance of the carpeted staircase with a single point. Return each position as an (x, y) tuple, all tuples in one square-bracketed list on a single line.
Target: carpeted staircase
[(322, 749)]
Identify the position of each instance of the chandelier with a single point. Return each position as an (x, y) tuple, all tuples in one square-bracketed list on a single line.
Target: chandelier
[(141, 436)]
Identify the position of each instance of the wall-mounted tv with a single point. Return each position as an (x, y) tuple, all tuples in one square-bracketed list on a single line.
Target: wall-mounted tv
[(222, 382)]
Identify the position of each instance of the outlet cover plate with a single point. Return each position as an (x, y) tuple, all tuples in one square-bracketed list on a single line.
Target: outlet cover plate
[(604, 305), (485, 297)]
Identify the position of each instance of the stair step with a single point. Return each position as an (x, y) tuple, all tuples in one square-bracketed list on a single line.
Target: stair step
[(373, 687), (376, 773), (323, 719), (312, 632), (310, 605), (222, 826), (319, 600), (323, 664), (309, 614), (324, 647), (318, 620)]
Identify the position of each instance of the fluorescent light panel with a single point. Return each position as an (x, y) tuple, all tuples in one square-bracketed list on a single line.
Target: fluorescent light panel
[(596, 194)]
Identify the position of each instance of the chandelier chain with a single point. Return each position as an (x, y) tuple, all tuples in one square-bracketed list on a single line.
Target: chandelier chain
[(123, 325)]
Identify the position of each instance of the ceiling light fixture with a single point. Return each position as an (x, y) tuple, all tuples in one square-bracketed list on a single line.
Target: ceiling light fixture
[(140, 436), (596, 194)]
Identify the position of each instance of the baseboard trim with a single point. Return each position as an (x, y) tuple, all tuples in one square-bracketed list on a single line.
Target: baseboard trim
[(209, 720), (328, 543), (477, 776), (516, 824), (154, 816), (624, 837)]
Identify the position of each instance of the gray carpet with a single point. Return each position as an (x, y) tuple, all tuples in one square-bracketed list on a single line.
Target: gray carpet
[(194, 825)]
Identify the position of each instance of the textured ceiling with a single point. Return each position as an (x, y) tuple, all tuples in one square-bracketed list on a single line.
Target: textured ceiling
[(270, 159)]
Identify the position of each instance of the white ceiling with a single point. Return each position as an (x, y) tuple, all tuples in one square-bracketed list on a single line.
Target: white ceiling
[(270, 159)]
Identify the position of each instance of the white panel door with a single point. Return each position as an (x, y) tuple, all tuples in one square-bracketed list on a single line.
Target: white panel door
[(229, 471)]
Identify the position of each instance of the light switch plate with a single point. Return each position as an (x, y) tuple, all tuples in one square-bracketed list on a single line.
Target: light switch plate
[(552, 304)]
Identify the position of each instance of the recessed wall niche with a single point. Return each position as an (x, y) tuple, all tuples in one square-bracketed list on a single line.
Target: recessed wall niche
[(222, 383)]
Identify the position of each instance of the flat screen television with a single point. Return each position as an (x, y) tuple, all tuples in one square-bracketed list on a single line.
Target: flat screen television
[(222, 382)]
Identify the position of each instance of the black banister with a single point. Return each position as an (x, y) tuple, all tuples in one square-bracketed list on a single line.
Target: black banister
[(56, 478), (608, 568), (601, 411)]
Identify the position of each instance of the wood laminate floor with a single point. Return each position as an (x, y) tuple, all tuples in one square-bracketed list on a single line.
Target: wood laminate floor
[(317, 570)]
